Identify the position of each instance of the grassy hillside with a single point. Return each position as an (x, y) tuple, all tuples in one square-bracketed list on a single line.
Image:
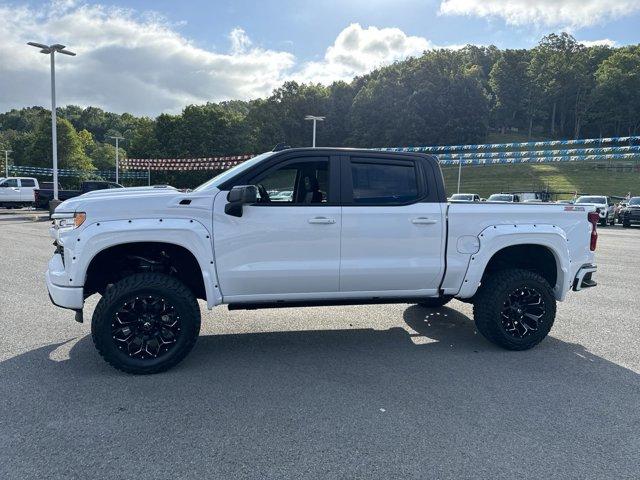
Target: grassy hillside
[(615, 178), (583, 177)]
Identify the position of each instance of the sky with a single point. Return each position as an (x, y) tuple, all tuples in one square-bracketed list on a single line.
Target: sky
[(148, 57)]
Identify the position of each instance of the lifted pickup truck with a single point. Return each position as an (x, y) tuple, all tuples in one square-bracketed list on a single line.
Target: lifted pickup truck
[(44, 195), (358, 227)]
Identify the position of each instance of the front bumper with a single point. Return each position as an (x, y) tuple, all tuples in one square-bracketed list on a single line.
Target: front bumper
[(583, 278), (65, 297)]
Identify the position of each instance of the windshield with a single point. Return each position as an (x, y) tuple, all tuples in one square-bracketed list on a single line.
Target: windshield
[(227, 174), (461, 196), (496, 197), (591, 200), (634, 201)]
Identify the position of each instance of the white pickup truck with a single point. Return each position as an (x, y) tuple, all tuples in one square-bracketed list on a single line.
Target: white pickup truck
[(17, 192), (356, 227)]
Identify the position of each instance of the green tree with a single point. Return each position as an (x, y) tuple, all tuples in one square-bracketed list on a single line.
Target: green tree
[(510, 88), (71, 153)]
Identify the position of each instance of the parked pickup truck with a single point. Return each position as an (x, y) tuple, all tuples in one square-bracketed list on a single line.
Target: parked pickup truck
[(360, 227), (17, 192), (44, 195)]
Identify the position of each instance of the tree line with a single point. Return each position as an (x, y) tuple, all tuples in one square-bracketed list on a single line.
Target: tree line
[(558, 89)]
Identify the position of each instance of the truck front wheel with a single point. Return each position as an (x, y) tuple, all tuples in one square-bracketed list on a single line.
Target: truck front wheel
[(146, 323), (514, 309)]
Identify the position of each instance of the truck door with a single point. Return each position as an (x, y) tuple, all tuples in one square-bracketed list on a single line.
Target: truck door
[(10, 190), (392, 226), (27, 185), (288, 242)]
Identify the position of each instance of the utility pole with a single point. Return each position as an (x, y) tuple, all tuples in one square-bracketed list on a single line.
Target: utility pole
[(6, 162), (314, 119), (117, 160), (51, 51), (459, 173)]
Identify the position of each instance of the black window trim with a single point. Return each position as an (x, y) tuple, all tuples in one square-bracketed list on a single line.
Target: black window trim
[(428, 165), (333, 199), (428, 195)]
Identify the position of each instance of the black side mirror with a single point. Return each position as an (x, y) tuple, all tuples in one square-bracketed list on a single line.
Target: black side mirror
[(239, 196)]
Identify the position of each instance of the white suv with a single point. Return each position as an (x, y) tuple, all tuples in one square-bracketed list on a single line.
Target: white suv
[(604, 206)]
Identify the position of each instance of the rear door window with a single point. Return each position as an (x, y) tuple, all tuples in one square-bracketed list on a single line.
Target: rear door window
[(27, 182), (381, 183)]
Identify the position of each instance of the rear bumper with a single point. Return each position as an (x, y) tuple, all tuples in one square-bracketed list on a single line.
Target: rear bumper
[(65, 297), (584, 278)]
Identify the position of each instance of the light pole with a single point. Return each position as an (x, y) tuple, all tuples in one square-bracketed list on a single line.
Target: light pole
[(315, 119), (51, 51), (6, 162), (459, 173), (117, 160)]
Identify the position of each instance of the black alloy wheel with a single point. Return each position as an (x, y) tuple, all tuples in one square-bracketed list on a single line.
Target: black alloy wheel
[(146, 327), (523, 312)]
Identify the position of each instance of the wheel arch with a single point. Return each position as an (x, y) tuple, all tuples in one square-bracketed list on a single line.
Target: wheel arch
[(538, 248), (186, 241)]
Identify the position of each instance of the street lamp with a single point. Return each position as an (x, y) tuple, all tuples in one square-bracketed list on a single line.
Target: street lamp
[(459, 173), (6, 162), (315, 119), (51, 50), (116, 139)]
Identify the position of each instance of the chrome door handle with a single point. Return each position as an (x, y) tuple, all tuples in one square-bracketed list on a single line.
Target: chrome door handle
[(322, 220), (423, 221)]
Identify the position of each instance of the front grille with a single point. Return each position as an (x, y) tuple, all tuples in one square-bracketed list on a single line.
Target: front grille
[(633, 214)]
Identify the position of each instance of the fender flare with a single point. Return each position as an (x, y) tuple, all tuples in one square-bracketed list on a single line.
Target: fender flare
[(498, 237), (187, 233)]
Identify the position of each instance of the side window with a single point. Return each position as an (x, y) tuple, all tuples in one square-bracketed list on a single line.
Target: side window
[(302, 183), (383, 184), (11, 183), (27, 182)]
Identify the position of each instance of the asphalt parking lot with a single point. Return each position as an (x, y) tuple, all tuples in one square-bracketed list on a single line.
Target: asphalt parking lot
[(392, 391)]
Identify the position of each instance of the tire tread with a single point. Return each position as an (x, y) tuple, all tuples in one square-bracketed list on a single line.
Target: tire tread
[(141, 281), (491, 293)]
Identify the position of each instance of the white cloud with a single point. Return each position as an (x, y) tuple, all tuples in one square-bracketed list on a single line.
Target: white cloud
[(358, 50), (569, 13), (605, 42), (143, 65), (126, 62)]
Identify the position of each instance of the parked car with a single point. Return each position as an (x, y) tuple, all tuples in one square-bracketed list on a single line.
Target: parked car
[(630, 214), (464, 197), (17, 192), (504, 198), (381, 231), (604, 206), (44, 195)]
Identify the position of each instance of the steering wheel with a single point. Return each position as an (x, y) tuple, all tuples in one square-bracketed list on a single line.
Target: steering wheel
[(264, 195)]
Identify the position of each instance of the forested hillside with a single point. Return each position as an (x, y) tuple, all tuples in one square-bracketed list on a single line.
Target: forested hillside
[(559, 89)]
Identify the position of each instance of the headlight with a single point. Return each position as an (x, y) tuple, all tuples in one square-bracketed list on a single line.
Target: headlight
[(68, 221)]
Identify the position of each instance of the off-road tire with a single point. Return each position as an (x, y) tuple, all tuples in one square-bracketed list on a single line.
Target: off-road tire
[(141, 284), (490, 301), (626, 224), (435, 302)]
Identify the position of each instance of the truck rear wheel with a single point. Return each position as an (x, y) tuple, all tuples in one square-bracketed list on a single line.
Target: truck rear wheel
[(514, 309), (146, 323)]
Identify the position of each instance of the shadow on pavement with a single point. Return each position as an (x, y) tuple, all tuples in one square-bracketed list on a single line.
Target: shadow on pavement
[(441, 402)]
